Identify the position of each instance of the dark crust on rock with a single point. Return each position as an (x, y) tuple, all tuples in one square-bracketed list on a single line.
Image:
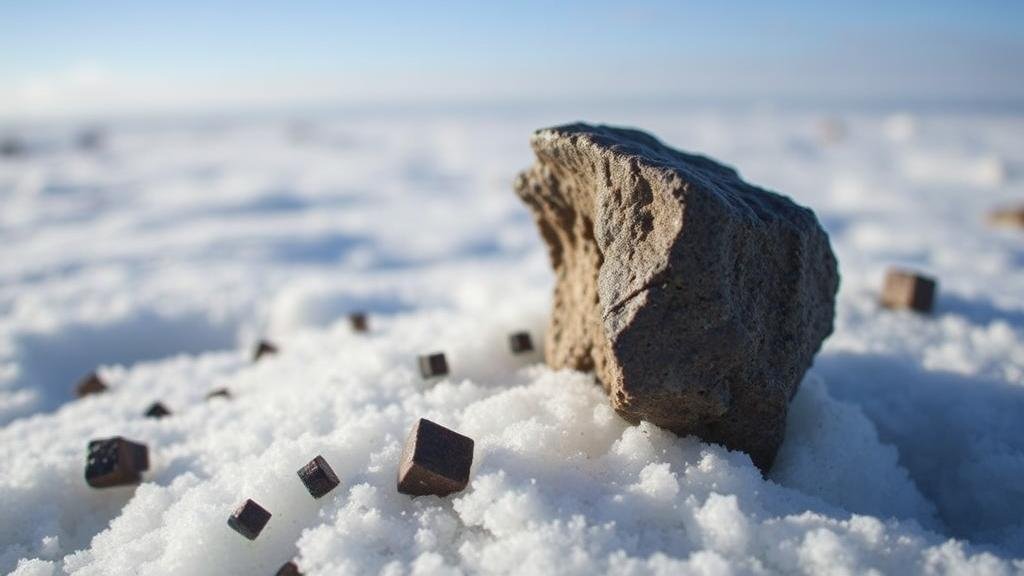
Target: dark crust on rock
[(698, 299)]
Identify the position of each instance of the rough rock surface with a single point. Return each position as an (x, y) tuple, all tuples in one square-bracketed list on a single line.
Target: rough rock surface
[(697, 299)]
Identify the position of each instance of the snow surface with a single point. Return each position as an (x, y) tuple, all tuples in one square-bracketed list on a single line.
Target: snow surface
[(163, 255)]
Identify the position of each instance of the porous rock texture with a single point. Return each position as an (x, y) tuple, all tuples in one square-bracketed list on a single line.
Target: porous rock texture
[(697, 299)]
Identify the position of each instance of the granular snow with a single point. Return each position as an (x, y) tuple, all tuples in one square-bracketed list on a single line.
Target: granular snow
[(162, 257)]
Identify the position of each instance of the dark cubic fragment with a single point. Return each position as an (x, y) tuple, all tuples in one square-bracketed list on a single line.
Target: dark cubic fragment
[(288, 569), (249, 519), (433, 365), (520, 342), (157, 410), (908, 290), (263, 348), (318, 477), (115, 462), (358, 321), (91, 384), (436, 461), (218, 393)]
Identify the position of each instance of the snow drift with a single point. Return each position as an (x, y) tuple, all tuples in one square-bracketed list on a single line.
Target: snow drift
[(163, 256)]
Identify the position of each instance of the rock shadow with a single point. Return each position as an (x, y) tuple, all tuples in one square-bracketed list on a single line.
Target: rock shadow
[(961, 438)]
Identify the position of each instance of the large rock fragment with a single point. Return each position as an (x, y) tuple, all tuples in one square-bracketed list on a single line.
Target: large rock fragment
[(697, 299)]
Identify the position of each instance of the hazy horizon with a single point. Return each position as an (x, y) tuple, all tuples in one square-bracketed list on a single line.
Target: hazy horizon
[(114, 57)]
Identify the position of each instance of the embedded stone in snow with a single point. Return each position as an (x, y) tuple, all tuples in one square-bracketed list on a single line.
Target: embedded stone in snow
[(520, 342), (435, 460), (264, 348), (157, 410), (218, 393), (90, 384), (358, 322), (433, 365), (905, 289), (115, 462), (698, 299), (288, 569), (249, 519), (318, 477)]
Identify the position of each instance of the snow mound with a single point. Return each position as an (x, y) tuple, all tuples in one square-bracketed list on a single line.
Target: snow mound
[(560, 483), (162, 256)]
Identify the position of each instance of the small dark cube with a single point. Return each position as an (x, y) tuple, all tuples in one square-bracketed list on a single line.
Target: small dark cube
[(433, 365), (115, 462), (157, 410), (358, 322), (91, 384), (436, 461), (288, 569), (318, 477), (520, 342), (263, 348), (908, 290), (218, 393), (249, 519)]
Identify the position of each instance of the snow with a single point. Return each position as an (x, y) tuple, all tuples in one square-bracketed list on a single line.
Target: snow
[(161, 257)]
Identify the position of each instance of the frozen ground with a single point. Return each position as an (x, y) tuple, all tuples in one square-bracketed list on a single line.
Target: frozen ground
[(162, 256)]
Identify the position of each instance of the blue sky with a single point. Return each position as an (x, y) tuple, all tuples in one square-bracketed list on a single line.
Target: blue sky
[(73, 56)]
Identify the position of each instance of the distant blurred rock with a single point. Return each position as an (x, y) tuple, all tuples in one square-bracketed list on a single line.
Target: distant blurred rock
[(699, 300), (90, 139), (1007, 217), (11, 147), (908, 290), (831, 130), (92, 383)]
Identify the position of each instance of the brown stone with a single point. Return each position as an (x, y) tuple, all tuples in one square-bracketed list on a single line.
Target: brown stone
[(263, 348), (435, 461), (288, 569), (908, 290), (249, 519), (433, 365), (699, 300), (157, 410), (358, 322), (218, 393), (1008, 217), (115, 462), (91, 384), (318, 477)]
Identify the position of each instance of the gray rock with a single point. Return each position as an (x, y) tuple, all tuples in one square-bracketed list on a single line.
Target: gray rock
[(697, 299)]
